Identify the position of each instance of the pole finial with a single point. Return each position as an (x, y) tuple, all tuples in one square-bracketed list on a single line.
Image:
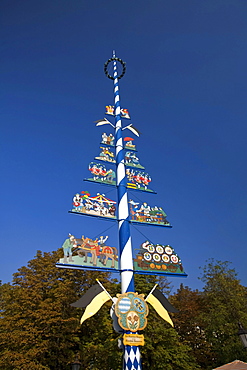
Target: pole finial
[(114, 53), (114, 59)]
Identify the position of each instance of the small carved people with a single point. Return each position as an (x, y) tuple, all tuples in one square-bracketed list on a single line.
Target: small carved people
[(67, 246)]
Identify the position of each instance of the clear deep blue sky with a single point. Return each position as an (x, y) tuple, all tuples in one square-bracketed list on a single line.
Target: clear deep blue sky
[(185, 88)]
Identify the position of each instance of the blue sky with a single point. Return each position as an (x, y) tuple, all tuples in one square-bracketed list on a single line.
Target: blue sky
[(185, 88)]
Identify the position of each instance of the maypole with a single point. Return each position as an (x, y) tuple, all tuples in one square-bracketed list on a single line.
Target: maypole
[(126, 259), (130, 309), (132, 360)]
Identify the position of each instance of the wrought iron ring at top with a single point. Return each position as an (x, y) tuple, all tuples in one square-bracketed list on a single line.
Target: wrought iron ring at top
[(117, 60)]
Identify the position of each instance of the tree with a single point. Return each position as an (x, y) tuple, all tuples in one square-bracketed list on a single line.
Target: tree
[(189, 324), (225, 303), (39, 328), (163, 348)]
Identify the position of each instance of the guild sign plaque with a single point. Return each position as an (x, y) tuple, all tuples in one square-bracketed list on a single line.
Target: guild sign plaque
[(133, 339)]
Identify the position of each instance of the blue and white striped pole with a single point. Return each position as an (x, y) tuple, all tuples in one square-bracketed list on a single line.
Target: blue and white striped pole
[(132, 356), (126, 258)]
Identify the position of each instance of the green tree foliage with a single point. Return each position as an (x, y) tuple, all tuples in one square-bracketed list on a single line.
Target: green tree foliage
[(39, 330), (38, 327), (208, 320), (225, 303), (190, 325), (163, 348)]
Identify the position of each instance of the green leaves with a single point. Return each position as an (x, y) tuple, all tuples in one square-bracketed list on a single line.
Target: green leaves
[(38, 325), (208, 320), (40, 330)]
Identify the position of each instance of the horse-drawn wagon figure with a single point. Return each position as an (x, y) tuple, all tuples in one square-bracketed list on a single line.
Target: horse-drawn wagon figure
[(97, 249)]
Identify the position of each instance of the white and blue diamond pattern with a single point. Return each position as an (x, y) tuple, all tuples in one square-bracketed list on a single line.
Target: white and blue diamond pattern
[(132, 358)]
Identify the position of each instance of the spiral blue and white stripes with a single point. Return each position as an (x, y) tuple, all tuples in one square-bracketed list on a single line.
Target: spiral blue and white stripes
[(132, 356), (125, 246)]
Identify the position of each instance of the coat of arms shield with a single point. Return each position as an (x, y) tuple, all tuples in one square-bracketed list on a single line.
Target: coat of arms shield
[(131, 310)]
